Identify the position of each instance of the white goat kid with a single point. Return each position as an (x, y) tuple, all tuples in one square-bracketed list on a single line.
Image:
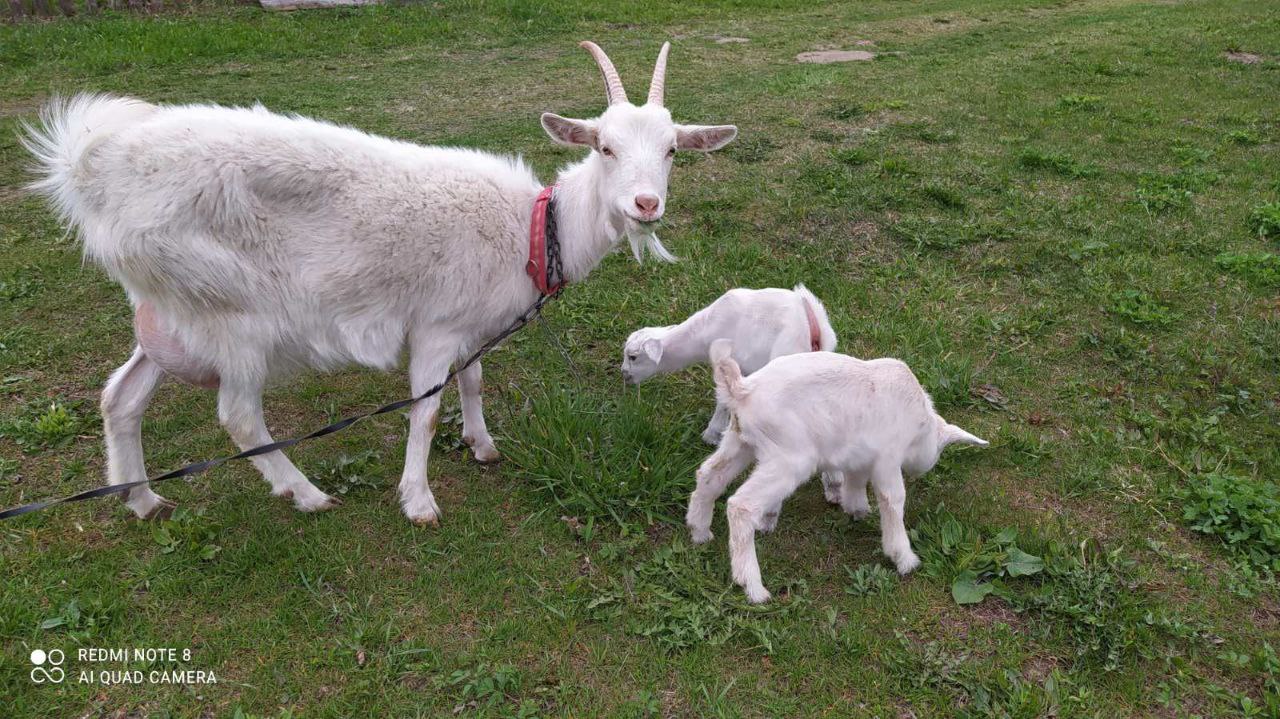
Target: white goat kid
[(870, 420), (763, 324), (252, 244)]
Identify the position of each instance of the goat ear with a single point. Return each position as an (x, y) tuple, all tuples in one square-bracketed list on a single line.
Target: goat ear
[(568, 131), (653, 350), (704, 138)]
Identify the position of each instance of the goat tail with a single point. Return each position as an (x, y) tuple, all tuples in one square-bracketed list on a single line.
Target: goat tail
[(729, 389), (68, 129), (825, 330), (952, 434)]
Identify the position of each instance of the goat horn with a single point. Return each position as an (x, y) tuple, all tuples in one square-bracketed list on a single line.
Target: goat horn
[(659, 83), (612, 83)]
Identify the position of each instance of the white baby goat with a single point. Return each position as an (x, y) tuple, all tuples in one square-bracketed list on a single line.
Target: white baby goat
[(870, 420), (763, 324), (252, 244)]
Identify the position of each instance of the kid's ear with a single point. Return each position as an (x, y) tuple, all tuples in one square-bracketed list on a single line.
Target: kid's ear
[(568, 131), (704, 138), (652, 350)]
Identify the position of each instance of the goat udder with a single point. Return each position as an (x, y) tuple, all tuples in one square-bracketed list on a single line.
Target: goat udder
[(166, 349)]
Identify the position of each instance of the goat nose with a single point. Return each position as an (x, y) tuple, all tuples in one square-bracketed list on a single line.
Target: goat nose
[(648, 204)]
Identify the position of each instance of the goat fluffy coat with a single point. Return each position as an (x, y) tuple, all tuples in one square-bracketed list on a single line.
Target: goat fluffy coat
[(870, 421), (253, 244)]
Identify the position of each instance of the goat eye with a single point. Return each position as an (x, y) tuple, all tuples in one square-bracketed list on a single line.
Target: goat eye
[(631, 357), (606, 152), (671, 152)]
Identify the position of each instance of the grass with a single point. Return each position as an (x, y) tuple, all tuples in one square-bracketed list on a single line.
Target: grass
[(1069, 235)]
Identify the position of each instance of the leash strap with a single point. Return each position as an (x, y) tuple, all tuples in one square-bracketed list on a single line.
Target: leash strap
[(548, 277)]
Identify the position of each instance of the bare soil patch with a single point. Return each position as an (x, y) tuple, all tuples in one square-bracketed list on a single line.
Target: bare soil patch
[(1244, 58)]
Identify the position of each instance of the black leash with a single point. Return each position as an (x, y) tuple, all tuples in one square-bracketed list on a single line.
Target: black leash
[(555, 278)]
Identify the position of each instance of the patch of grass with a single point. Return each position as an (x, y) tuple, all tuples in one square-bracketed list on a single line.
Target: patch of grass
[(1057, 162), (1259, 268), (847, 110), (1083, 594), (1243, 513), (351, 473), (945, 196), (83, 621), (977, 693), (38, 428), (870, 580), (1241, 137), (1264, 220), (751, 150), (1080, 102), (1140, 308), (1158, 193), (20, 283), (614, 458), (189, 534), (948, 234), (679, 599)]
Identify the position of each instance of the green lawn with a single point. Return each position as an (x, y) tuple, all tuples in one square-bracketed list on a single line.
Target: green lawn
[(1064, 215)]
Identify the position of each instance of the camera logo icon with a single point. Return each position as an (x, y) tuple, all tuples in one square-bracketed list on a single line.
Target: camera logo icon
[(47, 666)]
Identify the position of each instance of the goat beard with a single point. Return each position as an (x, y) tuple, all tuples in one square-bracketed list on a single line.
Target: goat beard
[(640, 240)]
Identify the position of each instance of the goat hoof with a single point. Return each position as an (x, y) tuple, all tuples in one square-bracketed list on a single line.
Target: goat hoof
[(162, 511), (486, 455), (311, 500), (700, 536), (423, 511), (907, 564), (857, 513), (149, 505), (712, 438), (757, 595)]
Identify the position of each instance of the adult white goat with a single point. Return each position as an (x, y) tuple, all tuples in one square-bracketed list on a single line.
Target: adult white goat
[(252, 244), (820, 411)]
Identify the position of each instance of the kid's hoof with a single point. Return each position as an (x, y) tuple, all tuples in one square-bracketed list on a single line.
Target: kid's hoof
[(907, 564), (858, 513), (757, 595), (700, 536)]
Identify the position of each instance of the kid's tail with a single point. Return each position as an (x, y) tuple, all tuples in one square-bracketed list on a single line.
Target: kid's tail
[(952, 434), (825, 330), (729, 389)]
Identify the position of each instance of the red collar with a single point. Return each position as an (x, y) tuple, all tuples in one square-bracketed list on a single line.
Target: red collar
[(815, 332), (536, 267)]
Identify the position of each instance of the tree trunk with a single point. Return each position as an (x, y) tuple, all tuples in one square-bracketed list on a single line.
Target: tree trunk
[(67, 7)]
